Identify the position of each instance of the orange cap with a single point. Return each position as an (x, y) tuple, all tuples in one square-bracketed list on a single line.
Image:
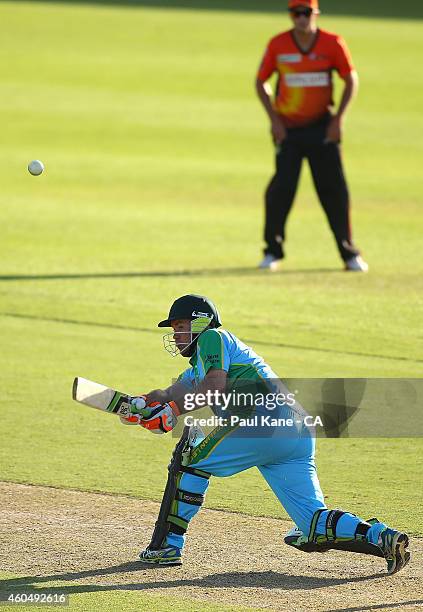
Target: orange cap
[(313, 4)]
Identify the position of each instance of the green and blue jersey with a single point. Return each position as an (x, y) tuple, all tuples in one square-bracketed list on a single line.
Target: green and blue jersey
[(218, 348)]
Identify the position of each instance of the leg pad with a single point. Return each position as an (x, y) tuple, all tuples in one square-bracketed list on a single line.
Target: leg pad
[(323, 543)]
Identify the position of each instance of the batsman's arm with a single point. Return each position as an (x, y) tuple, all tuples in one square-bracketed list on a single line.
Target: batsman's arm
[(166, 395), (214, 381), (160, 415)]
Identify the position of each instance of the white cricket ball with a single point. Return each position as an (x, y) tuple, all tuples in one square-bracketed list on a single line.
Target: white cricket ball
[(139, 403), (36, 167)]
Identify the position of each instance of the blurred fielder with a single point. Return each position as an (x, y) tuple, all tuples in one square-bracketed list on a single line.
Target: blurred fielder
[(219, 363), (303, 126)]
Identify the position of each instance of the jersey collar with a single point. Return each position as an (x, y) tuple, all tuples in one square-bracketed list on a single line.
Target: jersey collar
[(310, 48)]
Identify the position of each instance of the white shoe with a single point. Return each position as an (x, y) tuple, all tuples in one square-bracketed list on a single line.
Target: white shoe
[(356, 264), (270, 262)]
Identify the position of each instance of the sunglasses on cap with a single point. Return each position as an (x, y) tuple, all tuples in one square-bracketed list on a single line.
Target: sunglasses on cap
[(301, 12)]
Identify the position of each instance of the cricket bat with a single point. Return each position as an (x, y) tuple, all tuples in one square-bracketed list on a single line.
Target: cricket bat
[(101, 397)]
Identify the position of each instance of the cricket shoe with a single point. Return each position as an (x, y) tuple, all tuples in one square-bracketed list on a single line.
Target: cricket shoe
[(270, 262), (393, 544), (356, 264), (170, 555), (295, 537)]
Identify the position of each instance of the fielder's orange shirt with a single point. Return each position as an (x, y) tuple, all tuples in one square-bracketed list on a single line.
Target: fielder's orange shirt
[(304, 91)]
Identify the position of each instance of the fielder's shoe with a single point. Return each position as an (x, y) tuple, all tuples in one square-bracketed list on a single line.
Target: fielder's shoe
[(270, 262), (393, 544), (356, 264), (164, 556)]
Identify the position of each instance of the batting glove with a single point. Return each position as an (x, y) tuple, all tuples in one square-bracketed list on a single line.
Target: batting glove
[(138, 404), (157, 418), (162, 417)]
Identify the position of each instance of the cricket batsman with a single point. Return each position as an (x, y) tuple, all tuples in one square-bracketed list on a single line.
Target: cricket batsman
[(219, 366)]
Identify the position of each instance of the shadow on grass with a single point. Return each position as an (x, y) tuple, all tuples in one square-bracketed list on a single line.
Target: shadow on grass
[(379, 9), (223, 580), (247, 270), (253, 342)]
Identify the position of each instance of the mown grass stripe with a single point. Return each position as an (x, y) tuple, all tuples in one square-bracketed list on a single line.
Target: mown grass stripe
[(146, 330)]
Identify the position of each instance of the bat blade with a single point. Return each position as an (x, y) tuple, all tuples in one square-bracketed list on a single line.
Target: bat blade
[(100, 397)]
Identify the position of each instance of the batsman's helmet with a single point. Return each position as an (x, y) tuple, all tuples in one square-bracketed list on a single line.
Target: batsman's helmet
[(192, 307)]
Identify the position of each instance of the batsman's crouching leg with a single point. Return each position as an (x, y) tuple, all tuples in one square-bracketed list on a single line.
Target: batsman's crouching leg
[(188, 493), (213, 456), (192, 487), (370, 537), (335, 529)]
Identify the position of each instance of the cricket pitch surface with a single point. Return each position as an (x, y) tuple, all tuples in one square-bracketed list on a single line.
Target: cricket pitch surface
[(84, 542)]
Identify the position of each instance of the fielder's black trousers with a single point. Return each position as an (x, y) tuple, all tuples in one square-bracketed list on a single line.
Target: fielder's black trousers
[(329, 180)]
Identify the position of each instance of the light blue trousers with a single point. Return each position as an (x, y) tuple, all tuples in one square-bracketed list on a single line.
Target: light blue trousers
[(286, 460)]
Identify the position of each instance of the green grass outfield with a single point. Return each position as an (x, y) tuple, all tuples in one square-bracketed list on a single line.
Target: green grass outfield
[(157, 155), (104, 599)]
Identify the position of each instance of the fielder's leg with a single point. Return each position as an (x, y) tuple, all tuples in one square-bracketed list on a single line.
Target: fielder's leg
[(280, 195), (329, 179)]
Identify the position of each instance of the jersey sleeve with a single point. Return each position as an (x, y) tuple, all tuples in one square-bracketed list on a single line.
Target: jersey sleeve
[(342, 59), (213, 351), (268, 64), (187, 378)]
